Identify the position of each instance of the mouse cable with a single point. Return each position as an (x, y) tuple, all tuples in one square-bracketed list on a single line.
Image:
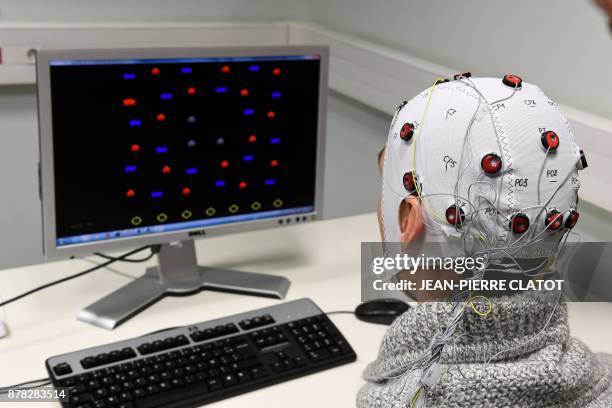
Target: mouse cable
[(340, 312), (154, 250), (76, 275), (29, 385)]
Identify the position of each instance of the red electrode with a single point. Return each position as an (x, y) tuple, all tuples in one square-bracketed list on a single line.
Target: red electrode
[(512, 81), (166, 170), (519, 223), (271, 114), (409, 181), (160, 117), (191, 90), (550, 140), (129, 102), (135, 148), (491, 163), (224, 164), (274, 163), (407, 131), (252, 138), (242, 184), (225, 69), (186, 191), (452, 217), (276, 71), (155, 71), (553, 220), (244, 92), (130, 193), (572, 219)]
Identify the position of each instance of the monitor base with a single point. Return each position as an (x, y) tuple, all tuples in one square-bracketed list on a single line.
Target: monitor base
[(177, 274)]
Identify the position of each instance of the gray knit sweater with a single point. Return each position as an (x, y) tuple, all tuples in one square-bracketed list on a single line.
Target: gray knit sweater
[(540, 367)]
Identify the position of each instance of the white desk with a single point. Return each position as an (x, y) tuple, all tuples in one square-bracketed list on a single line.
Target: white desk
[(321, 259)]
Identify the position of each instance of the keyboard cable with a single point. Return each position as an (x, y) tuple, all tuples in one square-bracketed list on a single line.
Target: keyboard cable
[(110, 259), (122, 258), (28, 385)]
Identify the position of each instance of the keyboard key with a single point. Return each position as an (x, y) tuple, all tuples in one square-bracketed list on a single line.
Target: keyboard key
[(67, 382), (127, 386), (145, 348), (80, 398), (97, 404), (125, 396), (258, 372), (151, 389), (335, 351), (77, 388), (288, 364), (231, 328), (318, 355), (139, 393), (243, 376), (214, 384), (229, 379), (88, 362), (140, 381)]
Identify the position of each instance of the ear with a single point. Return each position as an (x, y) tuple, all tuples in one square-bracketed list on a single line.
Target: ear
[(410, 220)]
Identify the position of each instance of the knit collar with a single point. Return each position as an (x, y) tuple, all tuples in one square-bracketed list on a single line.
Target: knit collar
[(516, 326)]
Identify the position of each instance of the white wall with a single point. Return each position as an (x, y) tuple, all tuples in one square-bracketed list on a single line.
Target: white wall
[(355, 135), (20, 219), (149, 10), (564, 46)]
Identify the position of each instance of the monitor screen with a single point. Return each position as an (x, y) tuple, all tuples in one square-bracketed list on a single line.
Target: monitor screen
[(145, 146)]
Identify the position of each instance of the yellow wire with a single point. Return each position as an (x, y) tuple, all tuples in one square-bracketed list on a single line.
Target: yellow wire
[(415, 397), (416, 134), (487, 300)]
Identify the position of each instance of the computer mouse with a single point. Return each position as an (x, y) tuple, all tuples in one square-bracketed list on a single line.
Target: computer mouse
[(381, 311)]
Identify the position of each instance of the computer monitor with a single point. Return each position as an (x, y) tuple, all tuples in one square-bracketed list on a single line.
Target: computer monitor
[(159, 146)]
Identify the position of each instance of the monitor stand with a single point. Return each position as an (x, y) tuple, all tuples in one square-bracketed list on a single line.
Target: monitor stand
[(177, 273)]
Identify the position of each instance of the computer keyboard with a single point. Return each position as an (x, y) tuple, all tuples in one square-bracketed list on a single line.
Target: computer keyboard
[(209, 361)]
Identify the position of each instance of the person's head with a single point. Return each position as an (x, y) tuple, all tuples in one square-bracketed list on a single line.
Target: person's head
[(482, 163)]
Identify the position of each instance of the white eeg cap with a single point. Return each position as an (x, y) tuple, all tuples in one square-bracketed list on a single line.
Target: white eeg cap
[(443, 134)]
